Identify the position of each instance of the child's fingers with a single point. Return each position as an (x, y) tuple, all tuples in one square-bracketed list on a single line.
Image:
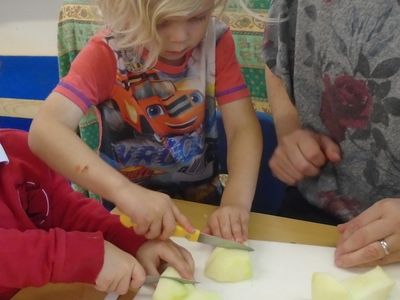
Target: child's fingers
[(213, 223), (188, 258), (154, 230), (244, 221), (175, 258), (123, 285), (138, 276), (182, 219), (168, 223), (225, 226), (236, 227)]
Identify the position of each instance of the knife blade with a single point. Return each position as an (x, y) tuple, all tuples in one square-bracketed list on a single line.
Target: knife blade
[(195, 236), (151, 279)]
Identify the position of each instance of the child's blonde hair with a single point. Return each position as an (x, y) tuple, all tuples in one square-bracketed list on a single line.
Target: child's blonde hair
[(134, 22)]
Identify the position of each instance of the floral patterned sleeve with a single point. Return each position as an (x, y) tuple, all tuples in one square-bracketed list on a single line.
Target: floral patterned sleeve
[(279, 37)]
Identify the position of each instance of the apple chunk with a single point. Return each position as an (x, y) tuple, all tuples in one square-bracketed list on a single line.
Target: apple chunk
[(229, 265), (198, 294), (372, 285), (169, 289), (325, 287)]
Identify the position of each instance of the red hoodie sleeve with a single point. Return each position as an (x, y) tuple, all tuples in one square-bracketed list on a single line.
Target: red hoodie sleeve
[(36, 257), (71, 211)]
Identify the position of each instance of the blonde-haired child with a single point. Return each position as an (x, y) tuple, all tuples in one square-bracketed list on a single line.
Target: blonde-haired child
[(154, 76)]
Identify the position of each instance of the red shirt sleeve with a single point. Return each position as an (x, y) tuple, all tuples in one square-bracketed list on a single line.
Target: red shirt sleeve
[(73, 212), (91, 76), (229, 81)]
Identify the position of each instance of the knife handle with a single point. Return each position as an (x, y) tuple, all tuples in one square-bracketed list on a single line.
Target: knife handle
[(179, 230)]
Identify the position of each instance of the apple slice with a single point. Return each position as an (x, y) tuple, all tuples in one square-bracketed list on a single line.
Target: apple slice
[(372, 285), (325, 287), (229, 265), (198, 294), (169, 289)]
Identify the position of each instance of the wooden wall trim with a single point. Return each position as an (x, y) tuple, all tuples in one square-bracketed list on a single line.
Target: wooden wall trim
[(19, 108)]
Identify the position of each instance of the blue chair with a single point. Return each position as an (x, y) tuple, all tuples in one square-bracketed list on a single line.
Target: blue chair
[(270, 191)]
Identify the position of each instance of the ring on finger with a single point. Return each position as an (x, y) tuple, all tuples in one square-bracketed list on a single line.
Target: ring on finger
[(385, 246)]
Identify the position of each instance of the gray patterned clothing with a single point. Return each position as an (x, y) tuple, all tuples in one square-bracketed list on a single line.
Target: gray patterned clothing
[(340, 60)]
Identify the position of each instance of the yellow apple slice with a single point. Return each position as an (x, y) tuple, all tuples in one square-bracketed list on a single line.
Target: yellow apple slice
[(372, 285), (198, 294), (325, 287), (169, 289), (229, 265)]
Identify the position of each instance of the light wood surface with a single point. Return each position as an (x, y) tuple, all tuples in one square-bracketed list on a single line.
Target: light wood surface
[(262, 227), (19, 108)]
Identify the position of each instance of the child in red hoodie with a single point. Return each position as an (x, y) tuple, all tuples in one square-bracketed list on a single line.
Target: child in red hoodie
[(49, 233)]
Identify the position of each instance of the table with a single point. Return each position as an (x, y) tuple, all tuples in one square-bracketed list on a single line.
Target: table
[(261, 227)]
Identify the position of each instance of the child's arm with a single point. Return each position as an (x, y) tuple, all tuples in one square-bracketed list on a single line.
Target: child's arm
[(300, 152), (244, 142), (52, 137)]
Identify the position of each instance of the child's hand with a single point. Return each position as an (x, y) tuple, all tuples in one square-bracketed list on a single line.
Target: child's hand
[(301, 154), (120, 271), (153, 254), (154, 213), (229, 222)]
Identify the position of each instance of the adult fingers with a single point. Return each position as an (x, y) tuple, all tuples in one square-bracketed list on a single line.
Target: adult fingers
[(370, 254), (330, 148), (364, 236), (366, 217), (283, 169), (307, 159), (310, 149)]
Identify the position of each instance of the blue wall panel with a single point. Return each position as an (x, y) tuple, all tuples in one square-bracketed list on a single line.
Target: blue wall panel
[(18, 123), (27, 77)]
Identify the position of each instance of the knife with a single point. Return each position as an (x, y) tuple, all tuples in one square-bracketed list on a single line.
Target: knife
[(195, 236), (151, 279)]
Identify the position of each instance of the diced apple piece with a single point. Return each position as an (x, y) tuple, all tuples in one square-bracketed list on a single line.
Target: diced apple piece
[(229, 265), (325, 287), (372, 285), (169, 289), (198, 294)]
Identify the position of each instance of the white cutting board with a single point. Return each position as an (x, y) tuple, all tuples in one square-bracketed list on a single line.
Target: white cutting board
[(282, 271)]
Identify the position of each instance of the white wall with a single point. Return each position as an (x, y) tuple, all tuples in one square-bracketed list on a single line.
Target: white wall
[(29, 27)]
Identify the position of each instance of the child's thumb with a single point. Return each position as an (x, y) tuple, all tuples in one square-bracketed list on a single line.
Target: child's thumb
[(331, 149)]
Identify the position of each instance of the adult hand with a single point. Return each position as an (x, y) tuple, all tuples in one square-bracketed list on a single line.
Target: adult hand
[(153, 254), (120, 271), (301, 154), (154, 213), (229, 222), (360, 241)]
